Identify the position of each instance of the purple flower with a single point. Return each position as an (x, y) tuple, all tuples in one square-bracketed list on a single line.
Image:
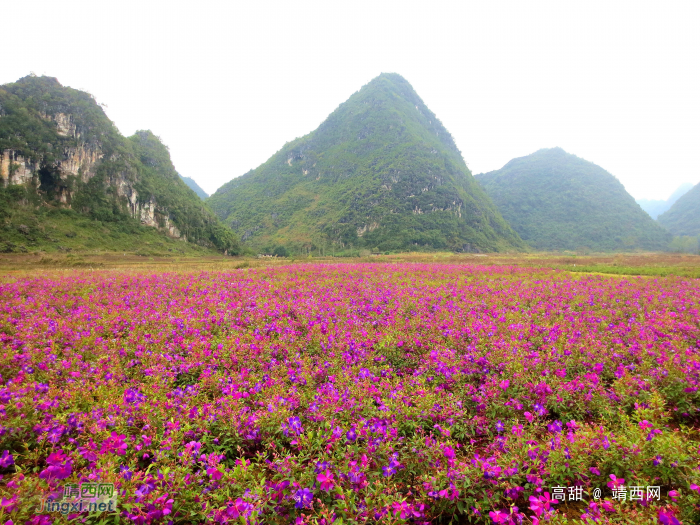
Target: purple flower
[(555, 426), (293, 425), (6, 460), (491, 471), (303, 498), (321, 466), (60, 466), (351, 435), (144, 490), (126, 473), (514, 492), (500, 427), (132, 396), (667, 518)]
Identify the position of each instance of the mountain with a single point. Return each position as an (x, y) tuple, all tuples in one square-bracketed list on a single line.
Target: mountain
[(557, 201), (683, 218), (194, 187), (63, 162), (381, 172), (656, 207)]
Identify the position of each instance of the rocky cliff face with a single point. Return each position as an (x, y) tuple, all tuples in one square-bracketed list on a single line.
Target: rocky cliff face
[(79, 162)]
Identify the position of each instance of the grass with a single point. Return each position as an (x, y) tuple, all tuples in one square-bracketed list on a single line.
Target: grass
[(184, 257), (59, 231)]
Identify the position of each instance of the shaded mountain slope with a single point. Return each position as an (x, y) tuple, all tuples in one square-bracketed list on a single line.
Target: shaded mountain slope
[(683, 218)]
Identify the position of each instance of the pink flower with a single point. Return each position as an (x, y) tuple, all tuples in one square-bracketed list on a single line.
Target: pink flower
[(607, 506), (541, 504), (673, 494), (326, 480), (529, 416), (499, 516), (9, 504), (214, 473), (645, 424), (60, 466), (616, 482)]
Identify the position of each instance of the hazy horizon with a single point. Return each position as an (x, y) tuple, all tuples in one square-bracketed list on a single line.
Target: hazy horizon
[(226, 86)]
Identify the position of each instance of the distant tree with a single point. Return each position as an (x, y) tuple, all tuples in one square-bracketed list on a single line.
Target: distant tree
[(280, 251)]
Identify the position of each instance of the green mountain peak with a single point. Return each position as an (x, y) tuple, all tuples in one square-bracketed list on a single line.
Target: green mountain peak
[(380, 172)]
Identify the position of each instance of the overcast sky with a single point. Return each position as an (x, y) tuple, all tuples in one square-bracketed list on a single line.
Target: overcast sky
[(226, 84)]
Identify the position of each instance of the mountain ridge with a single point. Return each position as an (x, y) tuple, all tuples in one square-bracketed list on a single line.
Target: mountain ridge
[(192, 184), (655, 207)]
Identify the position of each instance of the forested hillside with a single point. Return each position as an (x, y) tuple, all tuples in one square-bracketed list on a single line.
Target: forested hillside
[(558, 201)]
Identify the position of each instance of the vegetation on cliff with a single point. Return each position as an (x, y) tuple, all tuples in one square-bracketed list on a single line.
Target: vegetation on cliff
[(381, 173), (557, 201), (123, 181)]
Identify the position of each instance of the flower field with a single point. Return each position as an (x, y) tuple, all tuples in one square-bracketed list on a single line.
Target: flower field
[(369, 393)]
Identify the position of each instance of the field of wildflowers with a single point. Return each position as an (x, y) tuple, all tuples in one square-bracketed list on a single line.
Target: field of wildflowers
[(368, 393)]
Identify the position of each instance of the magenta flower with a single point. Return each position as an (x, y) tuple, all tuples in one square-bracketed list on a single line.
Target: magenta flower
[(616, 482)]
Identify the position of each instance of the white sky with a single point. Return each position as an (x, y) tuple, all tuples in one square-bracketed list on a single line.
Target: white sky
[(226, 84)]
